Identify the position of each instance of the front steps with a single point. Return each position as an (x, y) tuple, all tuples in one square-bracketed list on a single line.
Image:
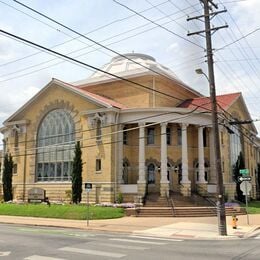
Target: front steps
[(155, 206), (193, 206)]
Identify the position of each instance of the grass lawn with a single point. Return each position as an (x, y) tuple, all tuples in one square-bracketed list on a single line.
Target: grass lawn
[(253, 207), (60, 211)]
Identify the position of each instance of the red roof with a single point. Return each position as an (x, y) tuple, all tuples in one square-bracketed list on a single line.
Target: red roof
[(98, 98), (204, 103)]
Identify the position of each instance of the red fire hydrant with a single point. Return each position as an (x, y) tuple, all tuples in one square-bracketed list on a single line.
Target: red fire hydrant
[(234, 221)]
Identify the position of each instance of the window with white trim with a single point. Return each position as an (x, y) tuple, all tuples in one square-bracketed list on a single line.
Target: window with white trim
[(55, 146), (150, 135)]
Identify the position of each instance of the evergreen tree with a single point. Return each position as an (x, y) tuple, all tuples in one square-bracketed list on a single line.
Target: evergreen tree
[(77, 175), (240, 164), (7, 177)]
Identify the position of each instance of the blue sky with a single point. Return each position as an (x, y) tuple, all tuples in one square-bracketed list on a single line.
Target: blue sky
[(25, 70)]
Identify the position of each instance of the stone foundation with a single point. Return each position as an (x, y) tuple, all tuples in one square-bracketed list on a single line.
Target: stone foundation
[(185, 189), (141, 187), (164, 189), (202, 189)]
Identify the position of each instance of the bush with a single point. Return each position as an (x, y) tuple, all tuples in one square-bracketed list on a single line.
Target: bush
[(119, 198)]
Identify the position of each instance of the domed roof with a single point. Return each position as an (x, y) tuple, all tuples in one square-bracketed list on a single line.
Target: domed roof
[(130, 64)]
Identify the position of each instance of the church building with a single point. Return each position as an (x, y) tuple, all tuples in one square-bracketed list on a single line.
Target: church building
[(143, 131)]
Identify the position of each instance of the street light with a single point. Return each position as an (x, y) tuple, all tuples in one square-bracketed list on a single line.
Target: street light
[(221, 215)]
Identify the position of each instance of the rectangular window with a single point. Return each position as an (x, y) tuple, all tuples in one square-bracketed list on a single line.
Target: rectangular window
[(98, 165), (39, 171), (98, 131), (15, 169), (205, 137), (58, 171), (179, 133), (222, 138), (150, 135), (168, 135), (65, 171), (16, 140)]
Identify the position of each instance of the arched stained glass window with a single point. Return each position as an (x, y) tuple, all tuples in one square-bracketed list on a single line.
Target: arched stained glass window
[(55, 146)]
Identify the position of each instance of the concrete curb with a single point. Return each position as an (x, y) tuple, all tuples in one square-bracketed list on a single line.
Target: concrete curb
[(250, 233), (132, 228)]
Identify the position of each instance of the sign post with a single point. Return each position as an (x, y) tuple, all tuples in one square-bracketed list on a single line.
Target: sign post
[(246, 187), (88, 188)]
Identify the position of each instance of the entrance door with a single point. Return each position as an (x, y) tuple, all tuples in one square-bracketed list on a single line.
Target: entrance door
[(151, 177)]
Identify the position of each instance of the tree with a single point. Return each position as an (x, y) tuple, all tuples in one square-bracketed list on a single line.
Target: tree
[(240, 164), (7, 177), (77, 175)]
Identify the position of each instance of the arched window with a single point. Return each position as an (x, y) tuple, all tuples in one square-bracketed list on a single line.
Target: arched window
[(206, 168), (55, 146), (151, 174)]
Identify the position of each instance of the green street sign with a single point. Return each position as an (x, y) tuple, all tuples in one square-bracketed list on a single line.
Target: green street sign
[(244, 171)]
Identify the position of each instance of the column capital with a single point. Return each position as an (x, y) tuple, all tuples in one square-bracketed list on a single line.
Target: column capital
[(163, 124), (184, 125), (141, 124)]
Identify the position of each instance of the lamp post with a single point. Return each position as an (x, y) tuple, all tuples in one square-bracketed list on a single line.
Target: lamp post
[(220, 187)]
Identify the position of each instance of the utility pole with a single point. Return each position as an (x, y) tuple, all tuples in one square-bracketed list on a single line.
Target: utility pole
[(208, 6)]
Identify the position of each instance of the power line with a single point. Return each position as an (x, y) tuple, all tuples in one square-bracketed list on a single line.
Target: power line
[(239, 39), (89, 32), (161, 11), (168, 30), (80, 55), (84, 36), (188, 114), (118, 124)]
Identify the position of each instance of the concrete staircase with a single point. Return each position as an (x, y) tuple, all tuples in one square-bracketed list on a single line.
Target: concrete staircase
[(194, 206), (155, 206)]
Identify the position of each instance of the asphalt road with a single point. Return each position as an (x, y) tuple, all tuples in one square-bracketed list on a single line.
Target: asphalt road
[(41, 243)]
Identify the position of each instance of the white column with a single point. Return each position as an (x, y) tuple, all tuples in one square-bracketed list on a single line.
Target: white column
[(201, 156), (141, 153), (184, 152), (120, 155), (212, 178), (163, 153)]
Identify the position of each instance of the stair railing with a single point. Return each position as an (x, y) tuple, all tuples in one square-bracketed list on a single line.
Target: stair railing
[(170, 202), (213, 203), (210, 201)]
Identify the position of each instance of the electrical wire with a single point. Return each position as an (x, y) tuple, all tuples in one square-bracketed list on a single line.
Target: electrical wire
[(84, 36), (165, 28)]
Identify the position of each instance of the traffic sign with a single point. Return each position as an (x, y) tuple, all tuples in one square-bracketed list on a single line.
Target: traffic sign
[(244, 171), (245, 178), (246, 187), (88, 186)]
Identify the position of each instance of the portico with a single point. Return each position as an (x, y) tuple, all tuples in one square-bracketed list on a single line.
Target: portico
[(166, 154)]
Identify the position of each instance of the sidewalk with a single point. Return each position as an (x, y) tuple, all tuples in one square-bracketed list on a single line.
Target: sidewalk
[(183, 228)]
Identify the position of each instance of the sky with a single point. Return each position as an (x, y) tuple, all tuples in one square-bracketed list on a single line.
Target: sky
[(155, 27)]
